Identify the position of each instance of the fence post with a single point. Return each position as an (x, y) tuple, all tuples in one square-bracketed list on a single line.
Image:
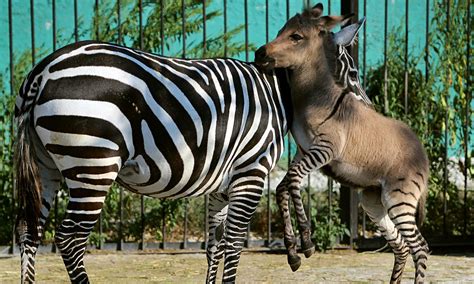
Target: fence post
[(349, 200)]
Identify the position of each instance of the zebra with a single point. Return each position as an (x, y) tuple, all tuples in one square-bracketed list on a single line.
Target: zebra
[(92, 113), (348, 140)]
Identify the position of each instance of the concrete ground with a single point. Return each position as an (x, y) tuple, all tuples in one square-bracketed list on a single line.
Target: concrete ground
[(255, 267)]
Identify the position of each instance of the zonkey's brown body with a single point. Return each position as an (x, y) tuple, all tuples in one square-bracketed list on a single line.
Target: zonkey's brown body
[(349, 141)]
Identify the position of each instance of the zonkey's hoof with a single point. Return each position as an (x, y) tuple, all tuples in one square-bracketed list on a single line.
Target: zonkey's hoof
[(309, 252), (294, 262)]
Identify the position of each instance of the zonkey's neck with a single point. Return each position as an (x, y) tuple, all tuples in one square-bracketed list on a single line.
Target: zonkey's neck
[(313, 86)]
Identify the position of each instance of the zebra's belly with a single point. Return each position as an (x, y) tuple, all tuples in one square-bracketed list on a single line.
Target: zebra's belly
[(136, 175)]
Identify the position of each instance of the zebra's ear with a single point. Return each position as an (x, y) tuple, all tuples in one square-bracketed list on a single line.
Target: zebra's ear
[(347, 36)]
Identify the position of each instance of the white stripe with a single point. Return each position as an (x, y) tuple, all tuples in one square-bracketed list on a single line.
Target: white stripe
[(87, 199), (96, 109), (68, 139), (111, 175), (84, 212)]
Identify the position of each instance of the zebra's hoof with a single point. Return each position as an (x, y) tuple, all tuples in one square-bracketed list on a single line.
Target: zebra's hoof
[(294, 262), (309, 252)]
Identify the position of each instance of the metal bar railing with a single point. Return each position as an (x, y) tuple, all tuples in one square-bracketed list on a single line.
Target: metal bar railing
[(12, 91), (468, 92)]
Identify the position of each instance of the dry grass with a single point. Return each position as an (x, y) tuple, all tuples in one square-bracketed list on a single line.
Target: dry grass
[(158, 267)]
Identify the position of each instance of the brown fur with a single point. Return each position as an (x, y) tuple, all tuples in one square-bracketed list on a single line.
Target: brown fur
[(366, 149)]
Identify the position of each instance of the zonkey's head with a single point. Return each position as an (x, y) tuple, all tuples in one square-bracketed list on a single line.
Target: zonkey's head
[(302, 39)]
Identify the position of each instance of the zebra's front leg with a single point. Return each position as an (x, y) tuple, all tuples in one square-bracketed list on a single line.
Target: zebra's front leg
[(243, 201), (218, 205)]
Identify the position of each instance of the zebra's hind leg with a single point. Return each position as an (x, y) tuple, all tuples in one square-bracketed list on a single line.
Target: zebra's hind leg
[(401, 198), (87, 195), (372, 204), (243, 201), (50, 179), (218, 205)]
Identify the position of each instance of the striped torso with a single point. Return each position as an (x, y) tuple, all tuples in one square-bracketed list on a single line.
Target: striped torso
[(170, 127)]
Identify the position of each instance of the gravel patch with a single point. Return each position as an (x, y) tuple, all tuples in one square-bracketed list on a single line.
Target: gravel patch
[(255, 267)]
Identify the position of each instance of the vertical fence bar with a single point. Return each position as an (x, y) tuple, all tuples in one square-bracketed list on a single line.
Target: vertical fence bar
[(204, 36), (446, 142), (185, 233), (76, 33), (427, 41), (97, 31), (32, 22), (246, 23), (364, 50), (364, 85), (120, 224), (269, 212), (467, 163), (225, 28), (206, 197), (287, 10), (406, 60), (183, 15), (183, 26), (162, 44), (120, 231), (162, 33), (12, 91), (55, 224), (329, 7), (119, 23), (385, 67), (97, 37), (348, 196), (163, 224), (142, 197)]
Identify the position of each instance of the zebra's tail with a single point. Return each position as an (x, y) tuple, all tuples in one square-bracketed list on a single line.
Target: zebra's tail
[(27, 182)]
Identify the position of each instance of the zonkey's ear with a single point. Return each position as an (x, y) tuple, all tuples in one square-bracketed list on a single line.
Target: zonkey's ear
[(317, 10), (329, 22), (347, 35)]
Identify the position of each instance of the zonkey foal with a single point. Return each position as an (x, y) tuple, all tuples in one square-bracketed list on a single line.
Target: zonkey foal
[(348, 140)]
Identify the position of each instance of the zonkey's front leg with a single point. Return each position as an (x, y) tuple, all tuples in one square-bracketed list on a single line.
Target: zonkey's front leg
[(316, 157)]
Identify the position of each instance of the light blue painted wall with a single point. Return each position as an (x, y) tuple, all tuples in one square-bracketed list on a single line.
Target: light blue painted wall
[(256, 13)]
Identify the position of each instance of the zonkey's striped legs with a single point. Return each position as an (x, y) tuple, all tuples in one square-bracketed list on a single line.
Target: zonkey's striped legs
[(372, 204), (317, 156), (400, 197), (218, 205)]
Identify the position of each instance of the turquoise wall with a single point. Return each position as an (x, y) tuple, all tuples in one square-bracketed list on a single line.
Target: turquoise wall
[(256, 12)]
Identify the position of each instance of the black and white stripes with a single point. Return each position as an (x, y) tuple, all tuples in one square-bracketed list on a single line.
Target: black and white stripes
[(162, 127)]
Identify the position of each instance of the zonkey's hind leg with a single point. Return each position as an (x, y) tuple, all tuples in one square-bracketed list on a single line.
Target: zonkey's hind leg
[(372, 204), (218, 205), (401, 199)]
